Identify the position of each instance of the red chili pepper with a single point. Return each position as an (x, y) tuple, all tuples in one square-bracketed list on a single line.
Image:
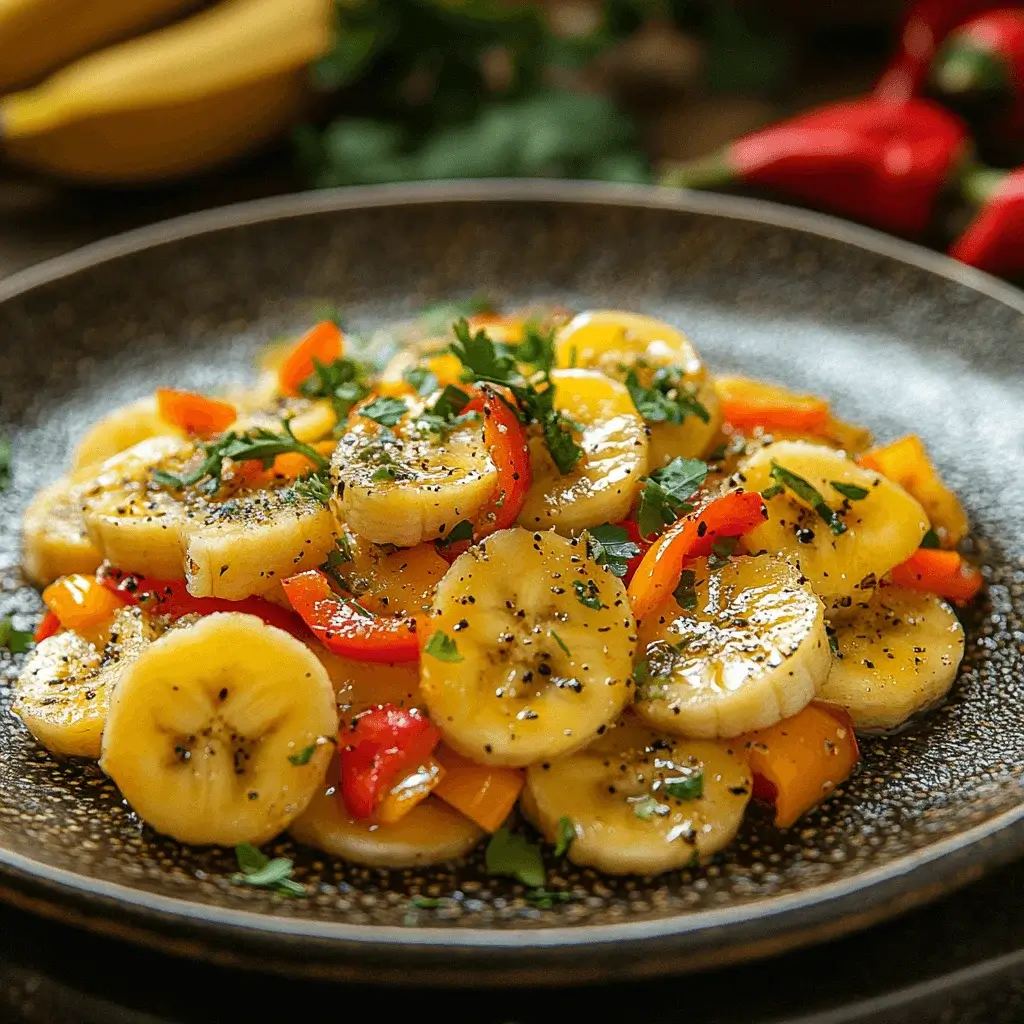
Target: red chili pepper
[(47, 628), (348, 629), (865, 159), (171, 598), (994, 239), (925, 26), (383, 745)]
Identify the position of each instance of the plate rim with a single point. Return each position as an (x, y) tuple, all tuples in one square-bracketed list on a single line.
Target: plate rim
[(790, 920)]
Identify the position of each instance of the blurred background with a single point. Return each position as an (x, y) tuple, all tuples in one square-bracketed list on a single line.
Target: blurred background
[(115, 113)]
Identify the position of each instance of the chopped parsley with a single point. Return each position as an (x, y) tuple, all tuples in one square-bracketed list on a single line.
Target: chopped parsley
[(685, 592), (931, 539), (646, 807), (721, 552), (14, 640), (459, 532), (446, 412), (385, 410), (5, 463), (561, 643), (382, 473), (688, 787), (513, 856), (851, 491), (668, 398), (344, 381), (664, 496), (442, 647), (587, 594), (303, 756), (806, 491), (566, 835), (258, 870), (421, 379), (610, 546), (315, 486), (833, 641)]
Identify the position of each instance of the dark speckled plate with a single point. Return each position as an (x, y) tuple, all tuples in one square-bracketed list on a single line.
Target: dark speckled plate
[(900, 338)]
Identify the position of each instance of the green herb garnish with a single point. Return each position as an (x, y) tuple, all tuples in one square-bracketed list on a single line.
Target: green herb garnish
[(809, 493), (833, 641), (851, 491), (544, 899), (689, 787), (459, 532), (14, 640), (344, 381), (512, 856), (258, 870), (566, 835), (610, 546), (721, 552), (931, 539), (385, 410), (664, 496), (561, 643), (587, 594), (437, 318), (420, 378), (303, 756), (442, 647), (685, 592), (668, 398), (315, 486), (647, 807)]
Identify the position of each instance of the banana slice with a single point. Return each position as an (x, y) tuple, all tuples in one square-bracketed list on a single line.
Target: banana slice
[(898, 656), (204, 723), (641, 803), (543, 646), (600, 488), (616, 343), (407, 485), (63, 693), (231, 547), (753, 651), (122, 429), (882, 529), (423, 354), (55, 541)]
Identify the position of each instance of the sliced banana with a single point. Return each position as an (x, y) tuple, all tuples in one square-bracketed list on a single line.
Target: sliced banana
[(753, 650), (631, 798), (615, 343), (601, 487), (232, 545), (408, 485), (898, 655), (544, 642), (204, 723), (63, 693), (427, 354), (122, 429), (882, 529), (55, 541)]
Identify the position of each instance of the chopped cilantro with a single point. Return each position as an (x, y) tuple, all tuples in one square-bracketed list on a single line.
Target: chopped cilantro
[(610, 545), (459, 532), (420, 378), (385, 410), (5, 463), (442, 647), (382, 473), (833, 641), (258, 870), (15, 640), (685, 592), (566, 835), (665, 493), (647, 807), (513, 856), (806, 491), (930, 539), (303, 756), (668, 398), (444, 414), (484, 359), (315, 486), (851, 491), (721, 552), (344, 381), (688, 787), (537, 349), (561, 643), (587, 594), (642, 672)]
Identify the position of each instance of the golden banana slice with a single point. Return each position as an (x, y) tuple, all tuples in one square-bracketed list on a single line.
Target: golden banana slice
[(220, 733), (407, 484), (618, 343), (641, 803), (530, 650), (63, 693), (601, 486), (752, 650), (231, 546), (878, 524), (55, 541), (898, 656), (122, 429)]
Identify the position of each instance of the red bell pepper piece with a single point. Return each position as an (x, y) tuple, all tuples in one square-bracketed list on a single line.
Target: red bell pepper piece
[(865, 159), (47, 628), (731, 515), (323, 343), (925, 26), (382, 746), (195, 414), (946, 573), (994, 239), (347, 629), (171, 598)]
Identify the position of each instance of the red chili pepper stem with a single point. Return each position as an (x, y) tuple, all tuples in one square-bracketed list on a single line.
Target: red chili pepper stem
[(961, 69), (704, 172), (978, 184)]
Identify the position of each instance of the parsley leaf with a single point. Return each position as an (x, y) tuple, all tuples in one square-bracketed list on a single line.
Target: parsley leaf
[(851, 491), (5, 463), (450, 402), (930, 539), (806, 491), (442, 647), (258, 870), (537, 349), (344, 381), (610, 545), (484, 359), (721, 552), (420, 378), (303, 756), (688, 787), (15, 640), (665, 493), (385, 410), (647, 807), (315, 486), (833, 641), (566, 834), (459, 532), (384, 473), (685, 592), (513, 856), (587, 594), (668, 398)]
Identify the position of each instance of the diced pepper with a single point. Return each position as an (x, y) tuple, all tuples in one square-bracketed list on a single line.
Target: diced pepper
[(383, 745), (410, 791), (748, 403), (348, 629), (798, 762), (731, 515), (50, 626), (83, 604), (485, 795), (322, 343), (195, 414), (945, 573), (906, 463)]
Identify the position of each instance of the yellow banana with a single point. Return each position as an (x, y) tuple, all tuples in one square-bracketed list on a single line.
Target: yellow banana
[(183, 98)]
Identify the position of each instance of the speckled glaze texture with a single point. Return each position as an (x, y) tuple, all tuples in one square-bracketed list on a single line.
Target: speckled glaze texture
[(895, 345)]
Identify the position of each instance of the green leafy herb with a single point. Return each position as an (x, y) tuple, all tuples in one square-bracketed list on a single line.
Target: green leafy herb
[(5, 464), (385, 410), (931, 539), (484, 359), (610, 545), (851, 491), (772, 491), (344, 381), (258, 870), (809, 493), (512, 856), (689, 787), (587, 594), (382, 473), (459, 532), (642, 672), (721, 552), (303, 756), (315, 486), (561, 643), (537, 349), (668, 398), (647, 807), (425, 902), (544, 899), (15, 640), (833, 642), (442, 647), (665, 493), (566, 835), (446, 413), (685, 592), (422, 379), (438, 318)]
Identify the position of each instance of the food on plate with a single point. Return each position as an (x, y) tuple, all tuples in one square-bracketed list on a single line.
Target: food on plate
[(390, 601)]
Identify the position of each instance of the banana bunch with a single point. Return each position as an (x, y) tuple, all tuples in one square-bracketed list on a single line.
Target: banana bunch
[(182, 98)]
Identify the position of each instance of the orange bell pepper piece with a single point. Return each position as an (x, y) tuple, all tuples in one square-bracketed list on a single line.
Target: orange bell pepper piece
[(412, 790), (483, 794), (658, 574), (748, 403), (323, 343), (799, 761), (946, 573), (193, 413), (82, 603)]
